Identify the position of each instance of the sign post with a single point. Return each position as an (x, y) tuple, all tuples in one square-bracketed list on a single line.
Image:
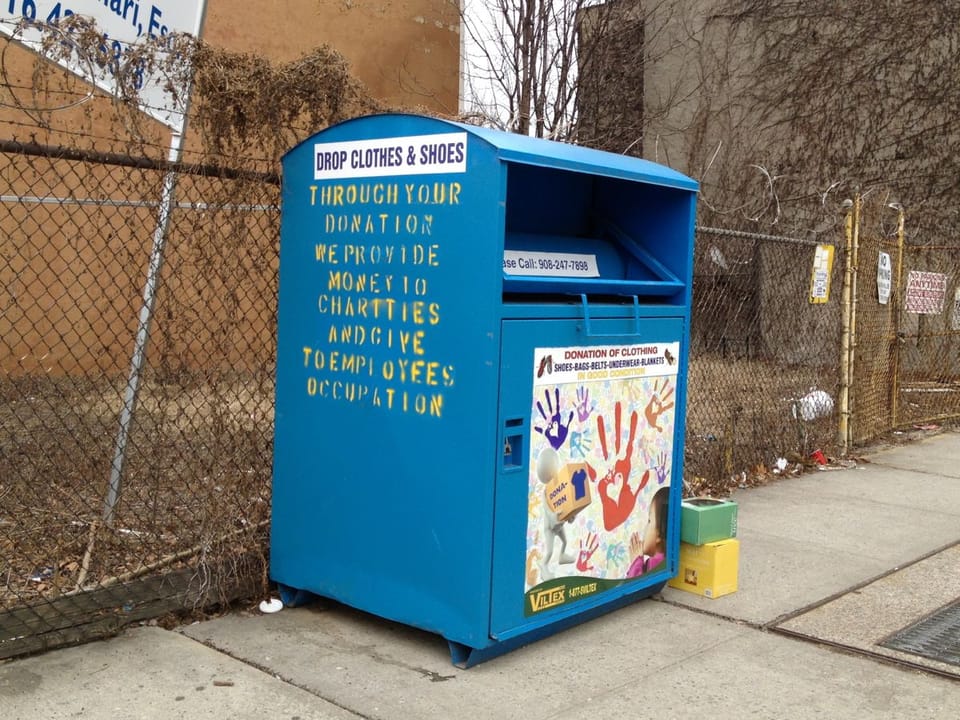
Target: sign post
[(143, 327)]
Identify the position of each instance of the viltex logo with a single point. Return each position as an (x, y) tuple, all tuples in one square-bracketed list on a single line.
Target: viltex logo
[(544, 599)]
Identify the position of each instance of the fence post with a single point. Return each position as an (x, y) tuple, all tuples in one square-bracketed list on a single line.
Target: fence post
[(143, 330), (895, 381), (848, 315), (855, 262)]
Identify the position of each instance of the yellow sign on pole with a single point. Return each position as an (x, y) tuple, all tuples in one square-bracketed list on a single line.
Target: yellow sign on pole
[(820, 277)]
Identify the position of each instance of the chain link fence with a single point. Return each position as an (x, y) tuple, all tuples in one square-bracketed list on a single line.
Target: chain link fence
[(131, 488), (764, 371), (93, 513), (801, 345), (138, 324), (905, 366)]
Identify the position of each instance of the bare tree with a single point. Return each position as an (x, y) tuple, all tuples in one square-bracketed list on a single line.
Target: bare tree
[(781, 108), (519, 64), (610, 99), (568, 70)]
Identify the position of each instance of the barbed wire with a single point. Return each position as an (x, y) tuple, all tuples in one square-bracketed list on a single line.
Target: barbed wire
[(726, 232)]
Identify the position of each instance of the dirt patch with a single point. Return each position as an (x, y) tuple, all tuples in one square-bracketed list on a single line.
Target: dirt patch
[(743, 416), (195, 483)]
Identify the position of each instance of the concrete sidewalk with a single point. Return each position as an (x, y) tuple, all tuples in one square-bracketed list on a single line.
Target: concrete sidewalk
[(831, 563)]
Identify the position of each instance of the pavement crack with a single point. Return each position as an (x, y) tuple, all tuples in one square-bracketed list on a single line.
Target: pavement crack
[(278, 676), (786, 617), (431, 675), (900, 663), (913, 470), (710, 613)]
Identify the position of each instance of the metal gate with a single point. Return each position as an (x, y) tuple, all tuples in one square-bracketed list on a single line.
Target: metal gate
[(900, 360)]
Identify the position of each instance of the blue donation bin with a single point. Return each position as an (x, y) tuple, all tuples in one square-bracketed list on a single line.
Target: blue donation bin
[(481, 377)]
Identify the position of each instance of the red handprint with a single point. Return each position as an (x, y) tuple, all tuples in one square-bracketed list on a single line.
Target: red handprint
[(587, 549), (658, 403), (617, 498)]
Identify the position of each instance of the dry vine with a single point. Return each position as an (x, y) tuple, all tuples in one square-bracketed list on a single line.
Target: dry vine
[(243, 105)]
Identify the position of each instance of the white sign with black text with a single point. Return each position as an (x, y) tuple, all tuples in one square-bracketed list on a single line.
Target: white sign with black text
[(925, 292), (955, 321), (884, 276), (550, 264), (416, 155)]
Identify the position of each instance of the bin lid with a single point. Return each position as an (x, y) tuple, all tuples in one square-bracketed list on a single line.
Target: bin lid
[(513, 147)]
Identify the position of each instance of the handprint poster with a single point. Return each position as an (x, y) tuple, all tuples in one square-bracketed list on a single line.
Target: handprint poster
[(601, 450)]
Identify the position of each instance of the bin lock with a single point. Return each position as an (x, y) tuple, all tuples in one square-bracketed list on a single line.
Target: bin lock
[(513, 443)]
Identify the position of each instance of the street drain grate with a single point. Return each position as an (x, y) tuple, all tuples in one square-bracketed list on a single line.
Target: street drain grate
[(936, 637)]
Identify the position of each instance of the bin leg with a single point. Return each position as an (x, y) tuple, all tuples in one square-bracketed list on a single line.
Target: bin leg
[(465, 657), (295, 597), (459, 654)]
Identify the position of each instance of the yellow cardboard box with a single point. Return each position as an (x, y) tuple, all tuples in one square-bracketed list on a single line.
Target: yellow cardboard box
[(709, 570)]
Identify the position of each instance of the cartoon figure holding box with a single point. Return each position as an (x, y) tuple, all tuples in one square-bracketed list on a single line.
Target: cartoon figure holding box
[(565, 493)]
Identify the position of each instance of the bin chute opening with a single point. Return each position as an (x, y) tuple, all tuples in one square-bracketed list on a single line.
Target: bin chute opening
[(574, 233)]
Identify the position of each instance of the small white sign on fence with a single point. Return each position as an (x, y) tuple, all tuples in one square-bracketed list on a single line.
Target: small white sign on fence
[(925, 293), (820, 275), (884, 277)]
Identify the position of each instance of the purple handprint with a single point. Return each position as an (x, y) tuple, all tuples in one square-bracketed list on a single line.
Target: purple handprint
[(555, 431), (583, 404), (661, 468)]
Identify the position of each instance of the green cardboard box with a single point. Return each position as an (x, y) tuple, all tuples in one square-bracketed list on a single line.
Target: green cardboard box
[(706, 520)]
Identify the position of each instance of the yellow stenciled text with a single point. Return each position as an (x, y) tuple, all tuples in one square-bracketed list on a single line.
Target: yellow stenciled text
[(406, 341), (340, 194), (383, 397), (416, 312)]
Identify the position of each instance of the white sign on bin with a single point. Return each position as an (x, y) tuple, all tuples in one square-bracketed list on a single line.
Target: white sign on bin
[(550, 264), (123, 23), (884, 276), (382, 157)]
